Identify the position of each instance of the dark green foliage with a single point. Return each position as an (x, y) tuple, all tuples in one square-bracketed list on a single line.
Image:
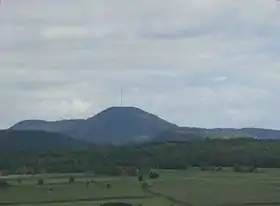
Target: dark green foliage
[(3, 184), (210, 155), (40, 181), (71, 180), (145, 185), (140, 178), (237, 168), (153, 175), (108, 186)]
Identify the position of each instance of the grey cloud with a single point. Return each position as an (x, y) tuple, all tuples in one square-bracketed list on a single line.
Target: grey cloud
[(165, 54)]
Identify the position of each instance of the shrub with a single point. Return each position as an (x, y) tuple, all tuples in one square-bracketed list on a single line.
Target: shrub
[(108, 186), (71, 180), (3, 184), (153, 175), (145, 185), (140, 178), (40, 181)]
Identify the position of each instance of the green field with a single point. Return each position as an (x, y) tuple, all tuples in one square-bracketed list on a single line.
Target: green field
[(191, 187)]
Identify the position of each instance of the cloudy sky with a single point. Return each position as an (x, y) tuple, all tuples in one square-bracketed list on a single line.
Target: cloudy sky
[(210, 63)]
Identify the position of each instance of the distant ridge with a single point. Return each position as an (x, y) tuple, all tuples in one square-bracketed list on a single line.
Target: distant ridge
[(113, 125), (62, 126), (117, 125), (36, 140), (191, 133)]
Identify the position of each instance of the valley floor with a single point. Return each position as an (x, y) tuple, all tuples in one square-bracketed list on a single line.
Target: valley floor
[(190, 187)]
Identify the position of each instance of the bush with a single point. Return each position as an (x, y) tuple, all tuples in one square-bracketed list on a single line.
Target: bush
[(71, 180), (140, 178), (40, 181), (3, 184), (145, 185), (108, 186), (153, 175)]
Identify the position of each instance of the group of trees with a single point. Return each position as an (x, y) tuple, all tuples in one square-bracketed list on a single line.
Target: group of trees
[(3, 184), (119, 160)]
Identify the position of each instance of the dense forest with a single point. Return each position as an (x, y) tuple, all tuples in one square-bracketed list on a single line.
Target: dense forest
[(169, 155)]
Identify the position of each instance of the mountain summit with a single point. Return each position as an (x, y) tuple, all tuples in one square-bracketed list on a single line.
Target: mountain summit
[(113, 125), (122, 124)]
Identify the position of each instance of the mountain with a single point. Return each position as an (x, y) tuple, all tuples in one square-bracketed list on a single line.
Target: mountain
[(122, 124), (129, 124), (113, 125), (29, 140)]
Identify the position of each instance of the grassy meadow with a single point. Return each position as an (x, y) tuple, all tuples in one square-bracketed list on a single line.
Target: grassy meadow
[(190, 187)]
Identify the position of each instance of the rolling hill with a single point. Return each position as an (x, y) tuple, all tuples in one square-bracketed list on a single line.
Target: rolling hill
[(63, 126), (189, 134), (113, 125), (260, 133)]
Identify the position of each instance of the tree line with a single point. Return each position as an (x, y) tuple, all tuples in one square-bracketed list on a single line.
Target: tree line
[(116, 160)]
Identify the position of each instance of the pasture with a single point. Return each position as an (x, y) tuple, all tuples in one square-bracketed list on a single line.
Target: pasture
[(190, 187)]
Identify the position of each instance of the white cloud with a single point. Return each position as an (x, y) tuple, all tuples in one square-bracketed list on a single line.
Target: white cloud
[(199, 62), (61, 32), (219, 79)]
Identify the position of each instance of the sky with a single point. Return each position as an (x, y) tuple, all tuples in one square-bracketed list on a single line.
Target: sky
[(204, 63)]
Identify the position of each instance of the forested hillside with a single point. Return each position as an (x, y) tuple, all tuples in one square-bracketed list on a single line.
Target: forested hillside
[(169, 155)]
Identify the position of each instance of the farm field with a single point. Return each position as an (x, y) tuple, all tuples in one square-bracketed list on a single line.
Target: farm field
[(190, 187)]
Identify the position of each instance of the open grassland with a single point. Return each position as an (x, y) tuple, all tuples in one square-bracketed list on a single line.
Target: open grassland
[(190, 187)]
